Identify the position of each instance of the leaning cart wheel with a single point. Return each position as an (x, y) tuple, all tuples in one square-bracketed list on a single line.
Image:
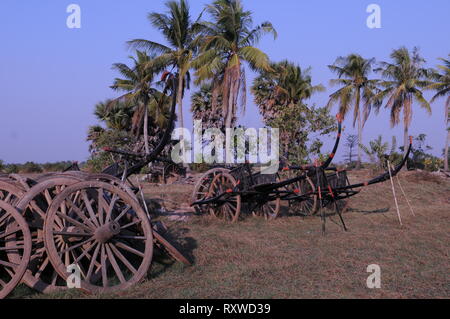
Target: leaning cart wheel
[(103, 232), (9, 192), (15, 239), (202, 186), (34, 205), (228, 207), (103, 178), (308, 206), (268, 210)]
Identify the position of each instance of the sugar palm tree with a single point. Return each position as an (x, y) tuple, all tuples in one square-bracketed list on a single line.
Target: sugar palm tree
[(285, 85), (353, 76), (280, 95), (115, 115), (201, 108), (179, 32), (441, 84), (226, 43), (137, 83), (402, 82), (94, 132)]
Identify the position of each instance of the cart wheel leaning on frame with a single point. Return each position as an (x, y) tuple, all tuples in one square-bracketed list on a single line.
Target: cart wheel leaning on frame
[(228, 207), (202, 186), (105, 232), (34, 205), (15, 238)]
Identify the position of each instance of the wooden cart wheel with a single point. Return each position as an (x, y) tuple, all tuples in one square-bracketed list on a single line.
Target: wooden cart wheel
[(307, 206), (15, 239), (34, 205), (9, 192), (103, 178), (114, 181), (24, 182), (202, 186), (170, 248), (268, 210), (227, 207), (104, 232)]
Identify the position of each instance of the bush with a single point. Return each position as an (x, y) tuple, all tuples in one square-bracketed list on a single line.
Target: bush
[(199, 167), (98, 162), (11, 169), (433, 164), (30, 167), (56, 167)]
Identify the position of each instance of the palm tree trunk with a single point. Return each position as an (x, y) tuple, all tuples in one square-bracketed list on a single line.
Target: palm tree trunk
[(180, 114), (230, 107), (358, 165), (147, 150), (446, 152), (405, 139), (180, 100)]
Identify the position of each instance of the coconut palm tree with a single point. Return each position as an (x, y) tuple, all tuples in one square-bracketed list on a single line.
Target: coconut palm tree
[(402, 81), (285, 85), (353, 76), (179, 32), (441, 84), (137, 83), (226, 43)]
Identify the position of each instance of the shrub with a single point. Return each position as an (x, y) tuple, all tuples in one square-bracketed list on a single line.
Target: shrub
[(433, 164), (31, 167), (11, 169)]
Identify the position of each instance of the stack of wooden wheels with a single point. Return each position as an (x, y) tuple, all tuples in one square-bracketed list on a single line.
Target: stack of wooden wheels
[(62, 225)]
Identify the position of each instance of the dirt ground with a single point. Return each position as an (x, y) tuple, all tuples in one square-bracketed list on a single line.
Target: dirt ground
[(290, 258)]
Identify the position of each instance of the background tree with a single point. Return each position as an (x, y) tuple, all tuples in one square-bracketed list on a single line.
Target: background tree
[(378, 152), (353, 76), (280, 95), (441, 84), (179, 32), (351, 142), (137, 83), (286, 84), (402, 81), (226, 43), (116, 115), (202, 108)]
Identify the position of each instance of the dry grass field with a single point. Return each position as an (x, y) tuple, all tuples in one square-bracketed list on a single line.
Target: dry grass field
[(289, 257)]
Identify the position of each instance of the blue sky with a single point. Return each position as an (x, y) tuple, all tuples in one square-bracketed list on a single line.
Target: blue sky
[(52, 76)]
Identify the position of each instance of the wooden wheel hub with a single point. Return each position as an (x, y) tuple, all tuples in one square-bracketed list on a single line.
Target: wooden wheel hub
[(107, 231)]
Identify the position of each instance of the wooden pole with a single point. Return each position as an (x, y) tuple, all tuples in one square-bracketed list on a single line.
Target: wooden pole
[(393, 192), (404, 194)]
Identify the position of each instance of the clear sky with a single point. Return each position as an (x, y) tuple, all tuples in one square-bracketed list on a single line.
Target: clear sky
[(52, 76)]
